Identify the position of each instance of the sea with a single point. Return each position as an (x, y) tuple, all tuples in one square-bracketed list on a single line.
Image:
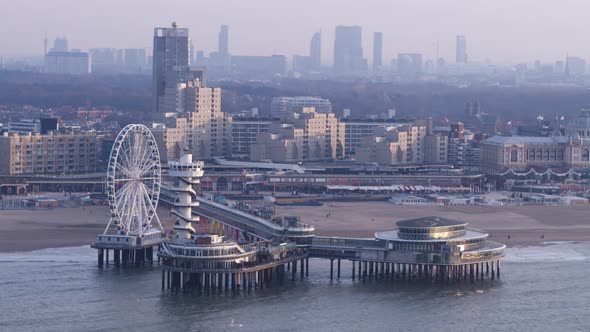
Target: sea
[(540, 289)]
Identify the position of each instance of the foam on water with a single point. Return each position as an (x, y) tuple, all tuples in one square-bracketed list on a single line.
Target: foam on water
[(551, 252), (56, 255)]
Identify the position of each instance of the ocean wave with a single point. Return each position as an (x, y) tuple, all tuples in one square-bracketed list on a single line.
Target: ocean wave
[(78, 254), (552, 252)]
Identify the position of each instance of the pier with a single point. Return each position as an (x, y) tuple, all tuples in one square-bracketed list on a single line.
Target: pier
[(232, 251), (422, 248)]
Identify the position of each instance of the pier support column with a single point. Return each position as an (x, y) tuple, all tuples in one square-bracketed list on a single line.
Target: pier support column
[(364, 270), (404, 272), (493, 272), (302, 272), (307, 266), (386, 270), (498, 268), (370, 270), (107, 257), (487, 268), (163, 279), (481, 275), (353, 263), (338, 275), (100, 257), (331, 268), (117, 254)]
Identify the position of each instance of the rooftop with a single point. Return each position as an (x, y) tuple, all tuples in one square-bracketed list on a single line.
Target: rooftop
[(430, 221), (394, 235), (526, 139)]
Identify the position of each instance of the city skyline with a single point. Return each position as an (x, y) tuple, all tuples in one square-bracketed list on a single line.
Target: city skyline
[(408, 28)]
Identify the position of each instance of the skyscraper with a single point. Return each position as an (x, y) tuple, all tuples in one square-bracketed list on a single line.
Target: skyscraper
[(377, 50), (461, 54), (348, 50), (60, 44), (223, 41), (315, 50), (170, 61)]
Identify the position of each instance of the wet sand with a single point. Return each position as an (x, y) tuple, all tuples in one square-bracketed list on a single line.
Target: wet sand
[(24, 230)]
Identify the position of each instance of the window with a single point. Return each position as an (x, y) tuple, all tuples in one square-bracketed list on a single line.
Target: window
[(514, 156), (585, 155)]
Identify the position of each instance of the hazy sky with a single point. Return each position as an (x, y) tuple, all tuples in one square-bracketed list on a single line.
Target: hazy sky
[(500, 30)]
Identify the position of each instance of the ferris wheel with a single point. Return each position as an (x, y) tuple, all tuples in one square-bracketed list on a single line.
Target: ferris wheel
[(133, 180)]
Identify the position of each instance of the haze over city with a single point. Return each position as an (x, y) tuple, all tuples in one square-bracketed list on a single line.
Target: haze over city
[(325, 165), (501, 31)]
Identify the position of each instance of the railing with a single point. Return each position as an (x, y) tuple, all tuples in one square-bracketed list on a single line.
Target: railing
[(345, 242), (240, 213), (237, 267)]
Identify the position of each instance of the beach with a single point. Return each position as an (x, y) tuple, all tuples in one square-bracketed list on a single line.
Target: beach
[(25, 230), (526, 225)]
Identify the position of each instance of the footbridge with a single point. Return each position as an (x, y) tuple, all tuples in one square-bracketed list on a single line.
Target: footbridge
[(248, 224)]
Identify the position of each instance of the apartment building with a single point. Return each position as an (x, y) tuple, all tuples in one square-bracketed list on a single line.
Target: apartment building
[(51, 153), (198, 123), (394, 146), (244, 132), (310, 136)]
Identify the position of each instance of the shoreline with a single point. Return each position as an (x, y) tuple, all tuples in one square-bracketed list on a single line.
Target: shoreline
[(513, 246), (29, 230)]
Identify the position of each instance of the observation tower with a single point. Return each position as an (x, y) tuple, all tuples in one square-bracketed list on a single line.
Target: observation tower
[(197, 260)]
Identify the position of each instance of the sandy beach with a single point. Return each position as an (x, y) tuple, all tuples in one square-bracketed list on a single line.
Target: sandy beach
[(24, 230), (524, 224)]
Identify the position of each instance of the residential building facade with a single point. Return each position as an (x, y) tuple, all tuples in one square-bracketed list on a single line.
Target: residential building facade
[(58, 153)]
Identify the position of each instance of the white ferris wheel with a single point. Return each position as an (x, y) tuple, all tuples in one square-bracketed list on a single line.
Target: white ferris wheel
[(134, 177)]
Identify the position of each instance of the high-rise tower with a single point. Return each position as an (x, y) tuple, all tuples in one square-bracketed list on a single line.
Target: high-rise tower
[(223, 41), (348, 50), (170, 61), (315, 50), (377, 50), (461, 52)]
